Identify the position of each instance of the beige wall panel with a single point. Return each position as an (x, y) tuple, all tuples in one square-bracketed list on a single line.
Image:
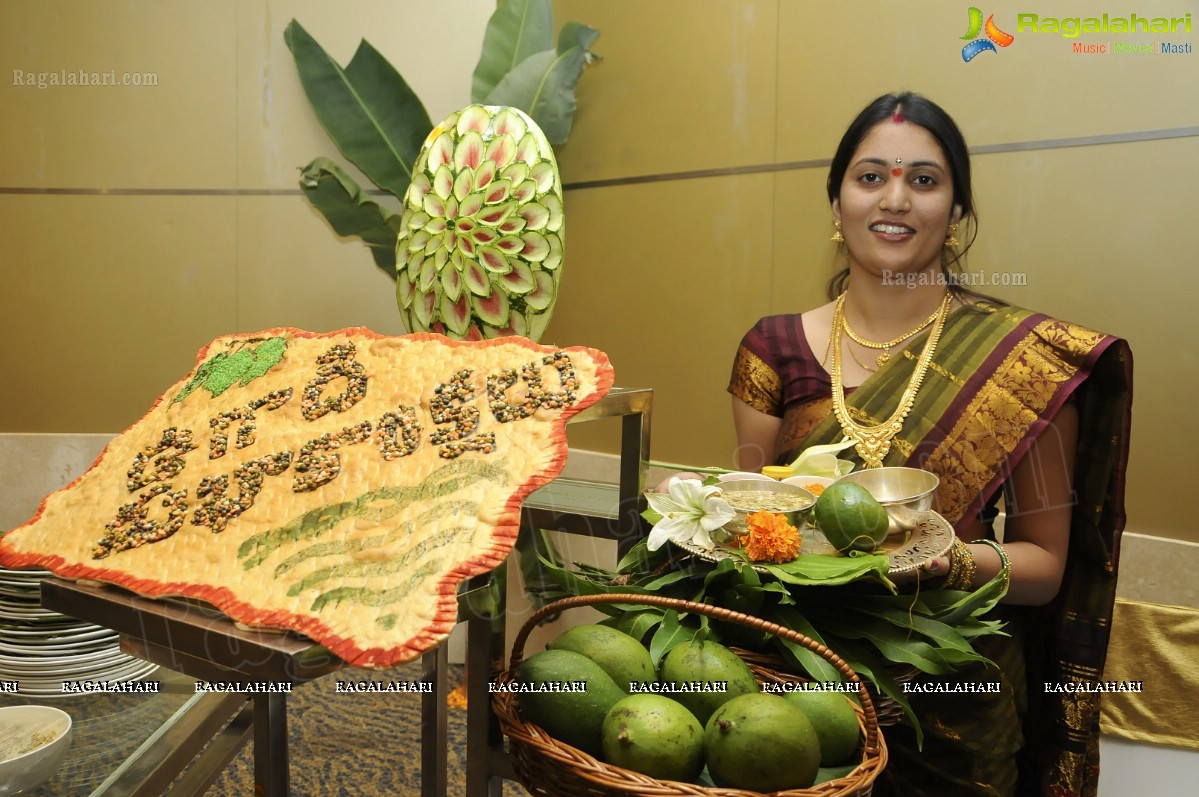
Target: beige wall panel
[(678, 89), (176, 134), (293, 271), (845, 54), (804, 258), (278, 133), (106, 302), (662, 276)]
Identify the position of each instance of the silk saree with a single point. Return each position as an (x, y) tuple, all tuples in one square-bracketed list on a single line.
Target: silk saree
[(999, 376)]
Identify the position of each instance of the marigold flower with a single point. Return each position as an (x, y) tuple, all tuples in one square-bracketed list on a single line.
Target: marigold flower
[(770, 538)]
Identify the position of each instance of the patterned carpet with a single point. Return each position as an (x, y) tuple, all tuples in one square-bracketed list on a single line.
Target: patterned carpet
[(357, 745)]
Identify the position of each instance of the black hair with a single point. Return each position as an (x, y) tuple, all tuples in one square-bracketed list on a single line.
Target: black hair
[(921, 111)]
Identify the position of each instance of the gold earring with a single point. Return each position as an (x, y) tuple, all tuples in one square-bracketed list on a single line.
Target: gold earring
[(837, 236), (951, 240)]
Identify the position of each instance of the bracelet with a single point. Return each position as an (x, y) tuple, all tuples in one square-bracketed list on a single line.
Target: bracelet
[(1006, 569), (955, 567), (961, 567)]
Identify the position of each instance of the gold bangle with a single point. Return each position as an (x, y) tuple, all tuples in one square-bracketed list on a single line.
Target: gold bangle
[(1006, 569), (961, 567), (968, 567), (955, 567)]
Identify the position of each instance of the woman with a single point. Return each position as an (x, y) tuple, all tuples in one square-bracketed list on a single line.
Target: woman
[(997, 401)]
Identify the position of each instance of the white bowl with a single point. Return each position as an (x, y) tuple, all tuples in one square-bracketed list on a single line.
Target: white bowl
[(807, 481), (741, 475), (33, 767)]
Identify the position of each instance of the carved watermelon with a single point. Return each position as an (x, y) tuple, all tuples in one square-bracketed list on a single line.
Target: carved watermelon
[(483, 216)]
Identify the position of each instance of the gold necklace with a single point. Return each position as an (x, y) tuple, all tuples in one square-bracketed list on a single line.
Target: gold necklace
[(881, 360), (861, 364), (852, 353), (874, 441)]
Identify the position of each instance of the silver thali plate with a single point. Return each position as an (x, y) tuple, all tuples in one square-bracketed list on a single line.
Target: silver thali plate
[(931, 536)]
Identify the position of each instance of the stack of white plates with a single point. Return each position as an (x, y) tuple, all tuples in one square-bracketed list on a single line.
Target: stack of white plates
[(41, 649)]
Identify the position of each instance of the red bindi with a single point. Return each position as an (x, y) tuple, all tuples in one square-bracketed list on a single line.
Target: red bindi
[(897, 118), (897, 172)]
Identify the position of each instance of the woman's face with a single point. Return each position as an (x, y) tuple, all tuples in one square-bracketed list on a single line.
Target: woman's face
[(896, 201)]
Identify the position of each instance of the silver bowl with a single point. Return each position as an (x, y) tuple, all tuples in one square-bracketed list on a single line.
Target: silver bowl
[(789, 500), (905, 493)]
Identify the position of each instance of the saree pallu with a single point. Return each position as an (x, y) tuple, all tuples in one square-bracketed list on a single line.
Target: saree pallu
[(999, 376)]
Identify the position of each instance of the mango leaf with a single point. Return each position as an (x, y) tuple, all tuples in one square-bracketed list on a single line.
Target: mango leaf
[(960, 658), (779, 592), (665, 580), (973, 628), (574, 584), (636, 624), (543, 85), (811, 662), (943, 635), (954, 606), (670, 634), (866, 664), (723, 569), (339, 199), (894, 643), (369, 111), (517, 29)]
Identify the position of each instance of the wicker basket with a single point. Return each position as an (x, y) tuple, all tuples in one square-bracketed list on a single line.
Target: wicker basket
[(550, 768), (770, 667)]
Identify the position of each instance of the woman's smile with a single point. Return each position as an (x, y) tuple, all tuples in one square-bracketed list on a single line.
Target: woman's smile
[(892, 231)]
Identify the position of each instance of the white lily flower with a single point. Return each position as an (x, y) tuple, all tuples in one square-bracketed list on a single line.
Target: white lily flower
[(690, 512), (822, 461)]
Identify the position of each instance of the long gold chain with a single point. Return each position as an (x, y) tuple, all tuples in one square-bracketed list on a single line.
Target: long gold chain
[(861, 364), (829, 348), (872, 442), (881, 360)]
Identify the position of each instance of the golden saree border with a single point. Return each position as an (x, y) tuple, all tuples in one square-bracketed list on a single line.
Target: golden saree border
[(1017, 395), (758, 384), (1157, 645)]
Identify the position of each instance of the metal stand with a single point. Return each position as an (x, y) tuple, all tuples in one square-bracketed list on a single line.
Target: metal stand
[(202, 643), (607, 511)]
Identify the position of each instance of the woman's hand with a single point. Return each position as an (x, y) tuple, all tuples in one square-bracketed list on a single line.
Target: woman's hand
[(936, 567)]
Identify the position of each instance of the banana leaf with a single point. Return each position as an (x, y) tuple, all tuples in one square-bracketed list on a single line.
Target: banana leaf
[(368, 109), (341, 201), (517, 29), (544, 83)]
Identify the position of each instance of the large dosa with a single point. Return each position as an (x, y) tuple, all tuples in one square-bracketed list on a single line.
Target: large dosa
[(340, 485)]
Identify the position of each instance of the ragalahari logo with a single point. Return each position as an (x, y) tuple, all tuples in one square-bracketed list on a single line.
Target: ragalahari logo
[(976, 45)]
